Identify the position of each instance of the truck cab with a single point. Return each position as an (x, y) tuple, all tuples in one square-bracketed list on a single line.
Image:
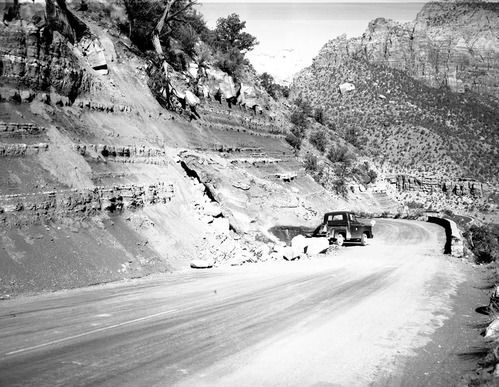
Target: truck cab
[(343, 226)]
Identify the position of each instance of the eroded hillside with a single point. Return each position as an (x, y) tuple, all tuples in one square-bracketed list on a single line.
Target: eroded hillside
[(100, 182)]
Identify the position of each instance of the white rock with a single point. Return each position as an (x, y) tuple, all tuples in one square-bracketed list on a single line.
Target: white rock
[(317, 245), (192, 100), (287, 253), (207, 219), (236, 261), (346, 87), (212, 209), (221, 225), (202, 263), (492, 330), (298, 243)]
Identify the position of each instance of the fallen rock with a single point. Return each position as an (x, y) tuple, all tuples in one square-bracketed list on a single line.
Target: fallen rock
[(236, 261), (299, 244), (492, 330), (221, 225), (287, 253), (202, 263), (346, 87), (191, 99), (317, 245), (241, 185), (212, 209)]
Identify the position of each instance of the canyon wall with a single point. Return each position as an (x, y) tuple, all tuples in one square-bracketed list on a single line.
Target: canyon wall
[(454, 44)]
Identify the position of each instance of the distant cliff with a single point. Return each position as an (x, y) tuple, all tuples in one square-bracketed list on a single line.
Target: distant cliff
[(455, 44)]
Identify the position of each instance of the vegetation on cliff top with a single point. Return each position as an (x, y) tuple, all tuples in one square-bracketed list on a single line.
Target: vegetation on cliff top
[(186, 37)]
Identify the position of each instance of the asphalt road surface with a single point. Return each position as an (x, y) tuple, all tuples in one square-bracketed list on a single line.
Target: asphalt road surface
[(349, 319)]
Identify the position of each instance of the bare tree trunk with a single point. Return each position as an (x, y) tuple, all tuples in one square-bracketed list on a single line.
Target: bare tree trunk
[(165, 18), (155, 37)]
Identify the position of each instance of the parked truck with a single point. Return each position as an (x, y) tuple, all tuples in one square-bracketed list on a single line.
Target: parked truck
[(343, 226)]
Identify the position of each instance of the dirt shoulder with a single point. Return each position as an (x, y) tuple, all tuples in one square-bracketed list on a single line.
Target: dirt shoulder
[(453, 351)]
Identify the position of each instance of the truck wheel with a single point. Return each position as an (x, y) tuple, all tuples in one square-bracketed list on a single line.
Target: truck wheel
[(363, 239), (339, 240)]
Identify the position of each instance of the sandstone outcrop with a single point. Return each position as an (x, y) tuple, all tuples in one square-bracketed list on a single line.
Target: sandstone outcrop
[(36, 53), (80, 204), (461, 187), (450, 44), (14, 129), (126, 151), (20, 150)]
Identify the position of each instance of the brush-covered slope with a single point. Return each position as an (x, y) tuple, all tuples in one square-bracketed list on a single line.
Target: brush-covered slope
[(401, 120)]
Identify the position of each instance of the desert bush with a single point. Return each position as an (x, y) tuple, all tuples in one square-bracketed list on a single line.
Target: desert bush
[(340, 186), (230, 62), (273, 89), (293, 140), (484, 242), (319, 115), (318, 140), (311, 164), (298, 118), (414, 205), (340, 154)]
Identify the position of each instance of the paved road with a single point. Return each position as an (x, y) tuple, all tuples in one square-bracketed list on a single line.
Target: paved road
[(344, 320)]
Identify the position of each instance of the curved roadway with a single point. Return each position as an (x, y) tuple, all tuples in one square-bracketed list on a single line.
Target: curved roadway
[(349, 319)]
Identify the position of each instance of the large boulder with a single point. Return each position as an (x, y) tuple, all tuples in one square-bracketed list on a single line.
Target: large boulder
[(317, 245), (346, 87), (221, 225), (299, 244), (202, 263), (221, 82), (213, 209), (492, 331), (94, 53), (191, 99)]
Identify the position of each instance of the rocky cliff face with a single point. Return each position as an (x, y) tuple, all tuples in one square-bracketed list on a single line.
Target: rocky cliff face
[(36, 50), (455, 44)]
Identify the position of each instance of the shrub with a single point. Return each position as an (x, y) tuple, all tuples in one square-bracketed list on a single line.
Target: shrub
[(187, 37), (319, 115), (293, 140), (318, 140), (372, 175), (340, 154), (340, 186), (484, 242), (298, 118), (272, 88), (230, 62), (311, 164), (298, 131)]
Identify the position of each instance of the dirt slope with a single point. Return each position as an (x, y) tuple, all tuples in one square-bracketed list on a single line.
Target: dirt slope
[(99, 182)]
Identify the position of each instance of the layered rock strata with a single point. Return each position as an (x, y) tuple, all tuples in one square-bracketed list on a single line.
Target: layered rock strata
[(452, 44)]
